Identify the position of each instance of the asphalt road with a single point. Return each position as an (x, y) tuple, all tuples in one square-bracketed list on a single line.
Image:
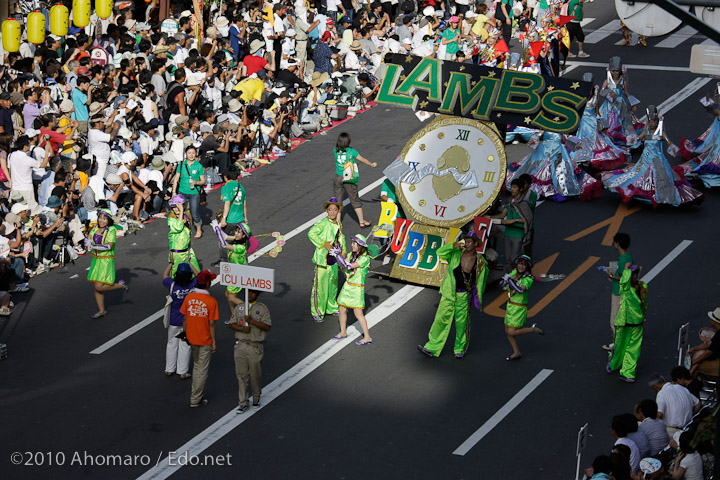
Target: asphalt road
[(378, 411)]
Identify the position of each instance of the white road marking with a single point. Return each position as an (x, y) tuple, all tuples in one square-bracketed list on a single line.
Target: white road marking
[(709, 41), (663, 68), (586, 21), (677, 38), (502, 413), (680, 96), (603, 32), (144, 323), (232, 420), (655, 271)]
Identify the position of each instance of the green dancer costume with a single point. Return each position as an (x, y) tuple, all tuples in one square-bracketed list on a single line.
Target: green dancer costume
[(352, 294), (455, 302), (628, 327), (237, 255), (180, 249), (102, 265), (517, 305), (325, 234)]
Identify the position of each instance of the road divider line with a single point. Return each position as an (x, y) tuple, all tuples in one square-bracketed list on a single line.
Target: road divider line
[(677, 38), (655, 271), (280, 385), (603, 32), (498, 417), (144, 323), (663, 68), (680, 96)]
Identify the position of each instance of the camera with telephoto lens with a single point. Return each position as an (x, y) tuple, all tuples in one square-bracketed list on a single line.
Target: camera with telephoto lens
[(255, 24)]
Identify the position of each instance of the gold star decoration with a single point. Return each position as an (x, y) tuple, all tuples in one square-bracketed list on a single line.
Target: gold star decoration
[(528, 119), (423, 104), (408, 59), (445, 84), (498, 115), (491, 74), (462, 68), (472, 84), (575, 85), (550, 88), (556, 119), (403, 77)]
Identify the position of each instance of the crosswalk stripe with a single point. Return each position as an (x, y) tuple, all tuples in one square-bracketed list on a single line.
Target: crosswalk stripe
[(603, 32), (709, 41), (586, 21), (677, 38)]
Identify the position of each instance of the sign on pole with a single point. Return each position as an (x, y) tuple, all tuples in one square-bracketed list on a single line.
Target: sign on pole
[(705, 59), (244, 276), (682, 341), (582, 439)]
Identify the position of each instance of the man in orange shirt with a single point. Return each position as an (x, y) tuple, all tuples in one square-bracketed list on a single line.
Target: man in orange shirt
[(201, 311)]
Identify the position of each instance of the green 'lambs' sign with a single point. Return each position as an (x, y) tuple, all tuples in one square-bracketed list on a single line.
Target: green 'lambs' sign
[(484, 93)]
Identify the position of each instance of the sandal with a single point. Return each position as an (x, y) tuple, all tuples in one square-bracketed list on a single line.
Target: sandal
[(198, 235), (366, 224), (339, 337), (124, 285), (169, 374), (98, 314), (185, 376), (363, 342)]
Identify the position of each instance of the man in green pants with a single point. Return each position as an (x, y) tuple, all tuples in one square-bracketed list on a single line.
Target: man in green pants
[(463, 284), (325, 235)]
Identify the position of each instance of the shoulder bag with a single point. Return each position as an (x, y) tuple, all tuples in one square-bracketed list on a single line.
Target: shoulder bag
[(168, 305)]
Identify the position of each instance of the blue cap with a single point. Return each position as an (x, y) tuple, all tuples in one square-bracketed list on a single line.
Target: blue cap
[(184, 268), (346, 19)]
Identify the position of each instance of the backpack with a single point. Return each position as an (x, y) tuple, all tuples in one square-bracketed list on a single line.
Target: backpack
[(167, 103)]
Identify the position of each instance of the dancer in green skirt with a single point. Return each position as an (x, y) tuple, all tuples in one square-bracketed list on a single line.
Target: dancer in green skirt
[(463, 285), (629, 324), (352, 295), (237, 246), (518, 284), (180, 224), (326, 235), (101, 243)]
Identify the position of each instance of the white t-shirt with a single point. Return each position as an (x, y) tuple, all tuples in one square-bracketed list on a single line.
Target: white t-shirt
[(268, 31), (180, 56), (676, 404), (123, 169), (99, 145), (146, 143), (692, 463), (21, 165)]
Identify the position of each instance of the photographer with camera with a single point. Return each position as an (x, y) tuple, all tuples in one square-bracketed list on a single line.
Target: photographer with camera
[(53, 224), (21, 168), (214, 150), (99, 193)]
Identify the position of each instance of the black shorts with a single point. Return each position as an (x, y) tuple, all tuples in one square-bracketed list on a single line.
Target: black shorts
[(576, 32)]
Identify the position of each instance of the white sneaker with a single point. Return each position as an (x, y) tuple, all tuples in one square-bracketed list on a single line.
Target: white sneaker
[(571, 55), (583, 55)]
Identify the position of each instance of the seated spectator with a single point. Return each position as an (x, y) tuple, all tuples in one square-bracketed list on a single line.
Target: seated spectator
[(676, 405), (651, 426), (706, 358), (619, 431), (681, 376), (687, 465)]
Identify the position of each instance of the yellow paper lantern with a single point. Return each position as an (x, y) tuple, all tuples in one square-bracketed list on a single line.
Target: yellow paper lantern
[(59, 20), (36, 28), (81, 13), (103, 8), (11, 32)]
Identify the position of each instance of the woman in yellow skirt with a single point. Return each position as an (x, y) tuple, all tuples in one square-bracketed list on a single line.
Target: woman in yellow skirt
[(101, 243), (518, 284)]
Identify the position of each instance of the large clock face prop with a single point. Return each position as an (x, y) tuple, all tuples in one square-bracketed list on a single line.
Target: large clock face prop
[(452, 170)]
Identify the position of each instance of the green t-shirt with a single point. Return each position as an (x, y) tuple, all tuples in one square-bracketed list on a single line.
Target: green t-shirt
[(624, 258), (230, 193), (454, 46), (575, 8), (341, 158), (543, 5), (516, 229), (187, 171)]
